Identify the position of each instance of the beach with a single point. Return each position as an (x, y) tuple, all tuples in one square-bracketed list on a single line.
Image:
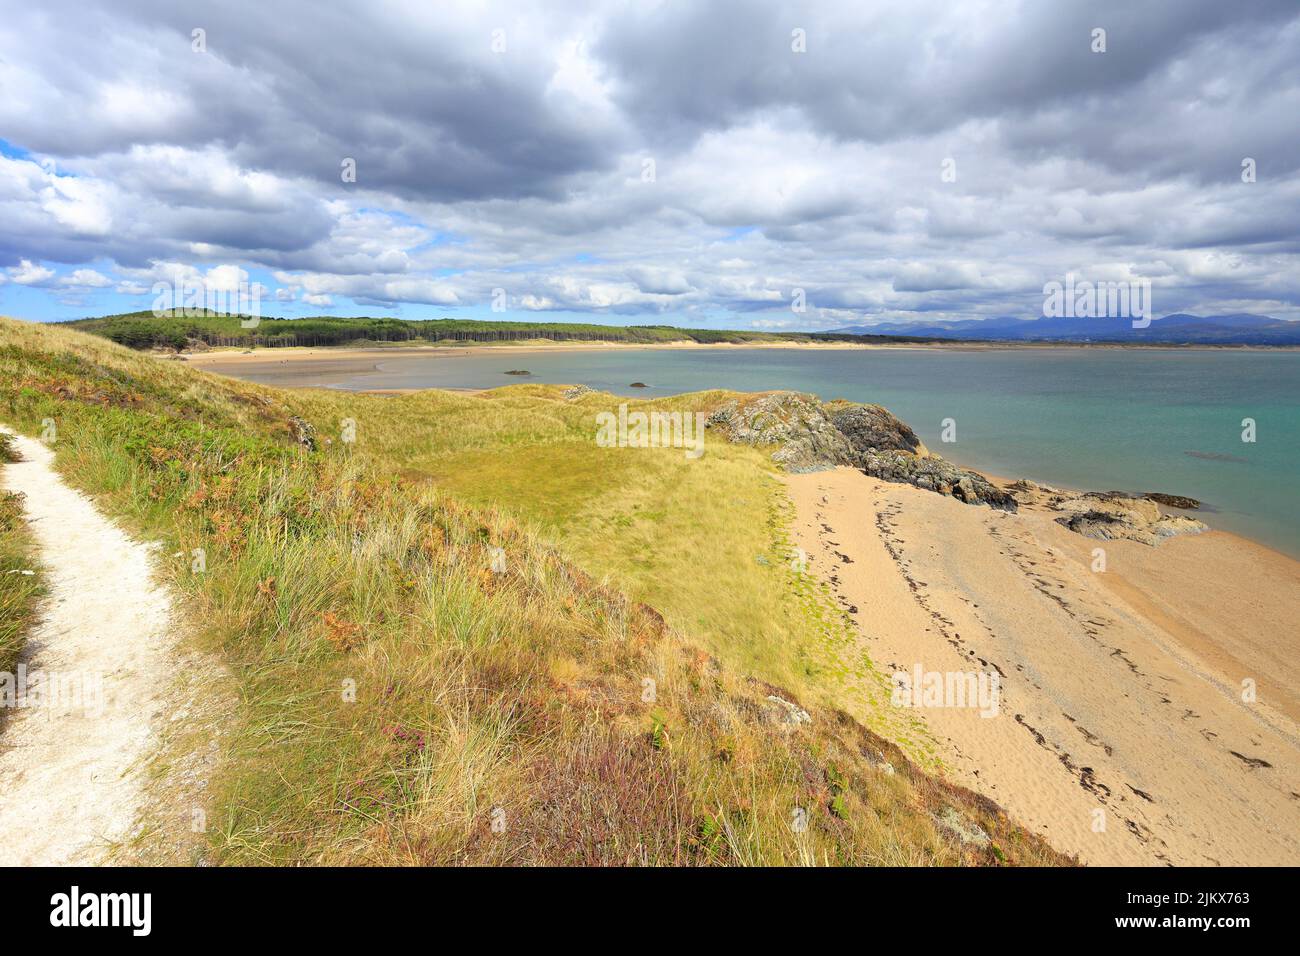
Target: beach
[(301, 366), (1121, 734)]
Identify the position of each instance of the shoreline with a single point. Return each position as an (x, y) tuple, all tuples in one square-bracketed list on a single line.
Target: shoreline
[(293, 353), (1121, 690), (327, 367), (1002, 481)]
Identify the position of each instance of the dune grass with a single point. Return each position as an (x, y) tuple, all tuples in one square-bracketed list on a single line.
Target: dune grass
[(702, 540), (469, 636), (20, 581)]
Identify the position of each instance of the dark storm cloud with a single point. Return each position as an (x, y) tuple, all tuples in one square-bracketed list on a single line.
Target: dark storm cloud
[(423, 105)]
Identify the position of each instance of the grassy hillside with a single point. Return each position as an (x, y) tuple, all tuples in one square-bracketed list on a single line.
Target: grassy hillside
[(597, 691), (142, 330)]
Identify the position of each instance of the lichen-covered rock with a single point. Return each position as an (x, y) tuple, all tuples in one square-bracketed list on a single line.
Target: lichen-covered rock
[(577, 391), (870, 428), (798, 424), (788, 713), (1110, 516), (303, 432), (933, 473), (970, 834)]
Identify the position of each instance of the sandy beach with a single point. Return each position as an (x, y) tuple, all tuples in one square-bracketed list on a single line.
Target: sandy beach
[(1121, 734), (237, 361), (364, 354), (323, 367)]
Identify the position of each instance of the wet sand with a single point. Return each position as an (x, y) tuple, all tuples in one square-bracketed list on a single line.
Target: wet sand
[(1121, 734), (331, 367), (324, 366)]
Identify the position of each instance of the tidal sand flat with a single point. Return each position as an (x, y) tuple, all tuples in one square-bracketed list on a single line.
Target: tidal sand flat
[(1121, 734)]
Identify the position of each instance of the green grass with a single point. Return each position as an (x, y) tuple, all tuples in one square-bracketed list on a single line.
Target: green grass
[(394, 693), (19, 591), (142, 330), (700, 540)]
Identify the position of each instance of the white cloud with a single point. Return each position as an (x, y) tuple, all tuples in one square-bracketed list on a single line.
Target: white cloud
[(86, 278), (772, 171), (28, 273)]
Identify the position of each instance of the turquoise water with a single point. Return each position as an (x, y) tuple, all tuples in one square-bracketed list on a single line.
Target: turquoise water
[(1091, 419)]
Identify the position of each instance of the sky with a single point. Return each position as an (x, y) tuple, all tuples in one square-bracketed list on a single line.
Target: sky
[(781, 166)]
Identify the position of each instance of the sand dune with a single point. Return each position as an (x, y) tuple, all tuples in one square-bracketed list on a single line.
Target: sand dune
[(1121, 734)]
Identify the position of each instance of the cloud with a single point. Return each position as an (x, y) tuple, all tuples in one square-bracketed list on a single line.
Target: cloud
[(86, 279), (28, 273), (927, 160)]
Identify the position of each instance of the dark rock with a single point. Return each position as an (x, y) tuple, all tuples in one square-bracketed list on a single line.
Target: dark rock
[(870, 428), (1091, 524), (1172, 501), (932, 473), (638, 385), (519, 371)]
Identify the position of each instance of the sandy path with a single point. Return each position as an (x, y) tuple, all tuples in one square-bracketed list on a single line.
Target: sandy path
[(1109, 711), (69, 769)]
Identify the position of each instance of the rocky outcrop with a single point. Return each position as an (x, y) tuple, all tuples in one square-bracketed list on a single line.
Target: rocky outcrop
[(797, 424), (933, 473), (871, 428), (303, 432), (577, 391), (1109, 515), (786, 712), (812, 435)]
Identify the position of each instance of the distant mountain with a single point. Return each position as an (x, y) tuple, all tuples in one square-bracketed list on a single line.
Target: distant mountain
[(1179, 328)]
